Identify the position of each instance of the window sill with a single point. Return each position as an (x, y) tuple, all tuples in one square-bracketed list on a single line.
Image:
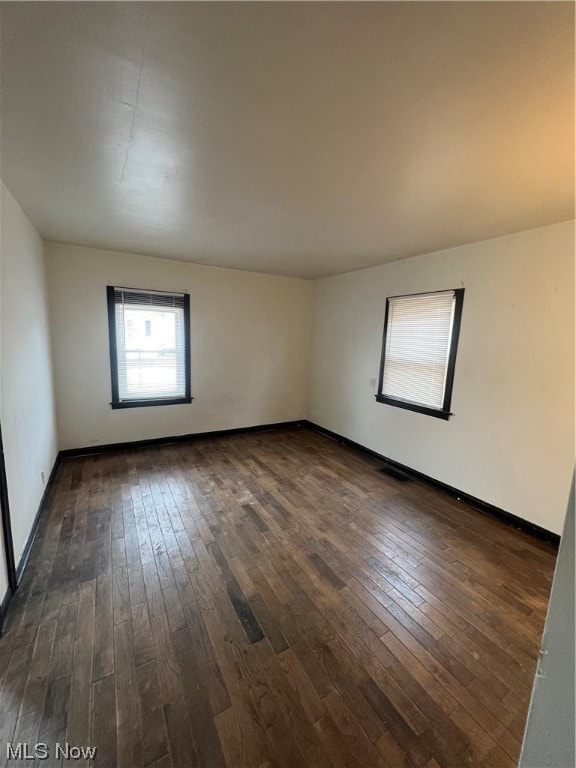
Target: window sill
[(151, 402), (414, 407)]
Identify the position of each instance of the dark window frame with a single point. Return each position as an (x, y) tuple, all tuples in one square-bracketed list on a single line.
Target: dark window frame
[(147, 402), (439, 413)]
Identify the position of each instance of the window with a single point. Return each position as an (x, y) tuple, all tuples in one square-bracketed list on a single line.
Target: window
[(419, 351), (149, 347)]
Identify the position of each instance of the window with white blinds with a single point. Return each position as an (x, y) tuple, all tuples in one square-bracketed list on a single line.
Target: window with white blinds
[(419, 351), (149, 347)]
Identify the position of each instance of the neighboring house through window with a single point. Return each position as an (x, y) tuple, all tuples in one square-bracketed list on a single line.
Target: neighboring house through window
[(149, 347), (419, 351)]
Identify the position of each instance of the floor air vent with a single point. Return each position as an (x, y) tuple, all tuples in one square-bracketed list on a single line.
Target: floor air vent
[(397, 474)]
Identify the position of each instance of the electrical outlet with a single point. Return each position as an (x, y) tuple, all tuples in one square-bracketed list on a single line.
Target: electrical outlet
[(43, 476), (372, 383)]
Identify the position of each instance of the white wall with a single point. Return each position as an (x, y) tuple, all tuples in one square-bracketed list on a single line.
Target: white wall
[(250, 337), (27, 400), (511, 439), (549, 740)]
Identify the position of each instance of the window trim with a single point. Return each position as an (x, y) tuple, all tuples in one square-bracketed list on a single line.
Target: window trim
[(116, 403), (439, 413)]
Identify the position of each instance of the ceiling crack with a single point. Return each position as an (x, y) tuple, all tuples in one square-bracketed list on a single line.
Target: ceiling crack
[(136, 99)]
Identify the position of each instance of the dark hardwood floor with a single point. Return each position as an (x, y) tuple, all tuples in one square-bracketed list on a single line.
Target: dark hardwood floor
[(270, 599)]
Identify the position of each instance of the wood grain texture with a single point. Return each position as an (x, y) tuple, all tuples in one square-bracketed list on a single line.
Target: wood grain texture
[(268, 600)]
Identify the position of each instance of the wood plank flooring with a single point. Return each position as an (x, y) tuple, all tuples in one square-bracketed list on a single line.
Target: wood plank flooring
[(270, 599)]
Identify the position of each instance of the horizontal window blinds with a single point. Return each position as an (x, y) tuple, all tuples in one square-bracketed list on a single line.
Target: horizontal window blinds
[(418, 337), (148, 298), (150, 344)]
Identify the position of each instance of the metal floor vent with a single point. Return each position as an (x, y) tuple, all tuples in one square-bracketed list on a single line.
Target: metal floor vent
[(397, 474)]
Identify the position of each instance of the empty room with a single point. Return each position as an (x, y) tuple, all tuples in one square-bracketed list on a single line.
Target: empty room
[(287, 384)]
